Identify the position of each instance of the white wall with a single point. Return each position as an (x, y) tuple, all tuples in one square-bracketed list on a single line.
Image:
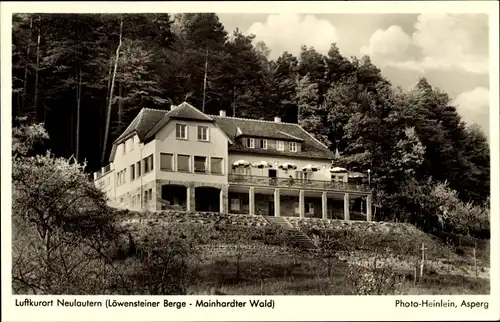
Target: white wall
[(125, 160), (107, 184), (166, 142)]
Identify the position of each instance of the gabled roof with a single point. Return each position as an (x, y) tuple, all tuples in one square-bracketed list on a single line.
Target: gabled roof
[(187, 111), (149, 121), (238, 127), (142, 123)]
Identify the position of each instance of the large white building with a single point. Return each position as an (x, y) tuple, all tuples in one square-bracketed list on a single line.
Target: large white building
[(187, 160)]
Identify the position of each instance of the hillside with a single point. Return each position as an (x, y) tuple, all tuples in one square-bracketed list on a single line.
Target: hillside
[(260, 246)]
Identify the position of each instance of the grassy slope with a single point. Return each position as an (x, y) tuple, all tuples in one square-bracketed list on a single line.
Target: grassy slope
[(267, 268)]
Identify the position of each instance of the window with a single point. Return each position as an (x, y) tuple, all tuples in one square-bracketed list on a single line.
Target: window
[(309, 208), (303, 175), (293, 146), (131, 144), (132, 172), (138, 167), (200, 164), (148, 164), (181, 131), (249, 143), (280, 145), (148, 195), (263, 144), (123, 148), (337, 178), (203, 133), (296, 207), (216, 165), (183, 163), (166, 162), (235, 204), (120, 177), (241, 170)]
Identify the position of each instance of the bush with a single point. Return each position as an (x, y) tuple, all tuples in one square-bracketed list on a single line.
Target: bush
[(160, 261), (61, 228), (374, 281)]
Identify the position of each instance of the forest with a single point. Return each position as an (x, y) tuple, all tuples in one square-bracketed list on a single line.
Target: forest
[(84, 77)]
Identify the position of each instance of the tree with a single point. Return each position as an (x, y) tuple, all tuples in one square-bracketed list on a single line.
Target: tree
[(61, 226), (110, 99), (312, 114)]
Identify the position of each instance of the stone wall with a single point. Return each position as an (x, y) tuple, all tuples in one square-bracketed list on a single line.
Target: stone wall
[(205, 218)]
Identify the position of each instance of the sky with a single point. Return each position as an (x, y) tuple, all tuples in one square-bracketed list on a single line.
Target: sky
[(451, 51)]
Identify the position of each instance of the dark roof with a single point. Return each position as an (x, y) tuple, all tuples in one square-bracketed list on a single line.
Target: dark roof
[(189, 112), (149, 121), (142, 123), (238, 127)]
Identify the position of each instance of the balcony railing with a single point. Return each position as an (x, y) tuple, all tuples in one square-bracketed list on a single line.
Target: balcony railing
[(296, 183), (102, 171)]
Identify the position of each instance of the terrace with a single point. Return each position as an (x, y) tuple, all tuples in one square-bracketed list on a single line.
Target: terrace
[(306, 184)]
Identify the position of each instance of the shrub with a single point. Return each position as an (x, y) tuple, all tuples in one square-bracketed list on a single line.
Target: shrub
[(373, 280), (61, 228)]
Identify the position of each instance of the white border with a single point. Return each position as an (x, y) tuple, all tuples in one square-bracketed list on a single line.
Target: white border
[(290, 308)]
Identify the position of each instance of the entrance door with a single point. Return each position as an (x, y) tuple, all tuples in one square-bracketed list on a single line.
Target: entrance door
[(271, 208), (272, 177)]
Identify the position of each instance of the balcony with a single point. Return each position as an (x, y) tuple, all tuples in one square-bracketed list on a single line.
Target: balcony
[(103, 171), (247, 180)]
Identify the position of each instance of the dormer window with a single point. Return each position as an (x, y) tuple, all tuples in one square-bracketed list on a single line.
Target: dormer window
[(280, 145), (181, 131), (293, 147), (249, 143)]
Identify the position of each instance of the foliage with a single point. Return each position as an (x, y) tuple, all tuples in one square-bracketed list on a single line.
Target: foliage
[(60, 227), (162, 261), (61, 68), (28, 139), (374, 280)]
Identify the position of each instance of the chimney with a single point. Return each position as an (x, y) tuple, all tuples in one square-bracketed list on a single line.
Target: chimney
[(277, 119), (172, 107), (222, 113)]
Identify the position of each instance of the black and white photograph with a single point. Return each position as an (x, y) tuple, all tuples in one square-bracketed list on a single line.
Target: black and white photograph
[(258, 154)]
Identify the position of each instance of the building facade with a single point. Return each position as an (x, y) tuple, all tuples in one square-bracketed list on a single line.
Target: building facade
[(187, 160)]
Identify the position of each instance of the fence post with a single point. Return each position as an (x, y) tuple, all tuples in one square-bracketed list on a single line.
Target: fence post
[(423, 261), (475, 261)]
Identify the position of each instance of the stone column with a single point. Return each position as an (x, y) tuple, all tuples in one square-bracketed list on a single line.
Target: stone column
[(251, 201), (277, 211), (302, 210), (222, 204), (190, 199), (369, 208), (346, 206), (158, 195), (324, 205)]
